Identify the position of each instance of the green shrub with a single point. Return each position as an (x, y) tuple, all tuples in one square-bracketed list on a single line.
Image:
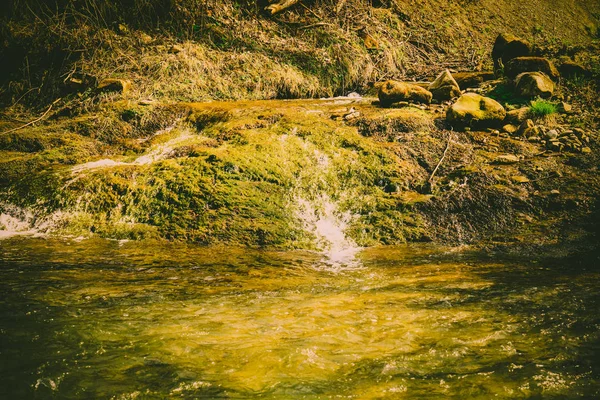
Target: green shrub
[(541, 108)]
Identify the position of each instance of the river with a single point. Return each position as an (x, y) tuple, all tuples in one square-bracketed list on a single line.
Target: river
[(105, 319)]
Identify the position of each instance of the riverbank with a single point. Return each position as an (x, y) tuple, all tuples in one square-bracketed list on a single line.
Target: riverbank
[(132, 154)]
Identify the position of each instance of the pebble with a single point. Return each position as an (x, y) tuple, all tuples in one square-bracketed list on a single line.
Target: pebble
[(551, 134)]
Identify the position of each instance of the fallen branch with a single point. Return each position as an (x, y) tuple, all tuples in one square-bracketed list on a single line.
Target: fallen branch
[(34, 121)]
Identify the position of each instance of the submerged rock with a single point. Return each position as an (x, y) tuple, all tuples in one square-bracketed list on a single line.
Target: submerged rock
[(474, 110), (394, 91), (444, 87), (534, 84), (520, 65)]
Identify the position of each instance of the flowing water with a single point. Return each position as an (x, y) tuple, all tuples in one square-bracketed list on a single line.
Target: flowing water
[(124, 320)]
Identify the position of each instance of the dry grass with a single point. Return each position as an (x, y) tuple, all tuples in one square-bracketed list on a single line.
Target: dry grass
[(230, 50)]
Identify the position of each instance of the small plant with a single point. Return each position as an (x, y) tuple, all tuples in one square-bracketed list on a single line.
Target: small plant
[(541, 108)]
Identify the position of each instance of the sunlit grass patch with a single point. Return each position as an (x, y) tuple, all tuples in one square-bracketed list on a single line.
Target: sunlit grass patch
[(540, 108)]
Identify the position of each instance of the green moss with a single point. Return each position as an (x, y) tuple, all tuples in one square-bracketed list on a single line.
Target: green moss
[(233, 176)]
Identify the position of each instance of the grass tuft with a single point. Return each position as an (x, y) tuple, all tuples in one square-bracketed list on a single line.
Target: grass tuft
[(541, 108)]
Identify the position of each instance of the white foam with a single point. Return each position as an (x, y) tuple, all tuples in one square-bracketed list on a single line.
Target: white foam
[(322, 218), (157, 154)]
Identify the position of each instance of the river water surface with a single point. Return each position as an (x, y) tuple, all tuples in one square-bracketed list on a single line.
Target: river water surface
[(111, 320)]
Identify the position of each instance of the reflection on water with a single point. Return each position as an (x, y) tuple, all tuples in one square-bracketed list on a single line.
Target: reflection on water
[(130, 320)]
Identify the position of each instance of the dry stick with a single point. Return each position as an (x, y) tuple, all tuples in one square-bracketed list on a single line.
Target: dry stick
[(311, 11), (315, 25), (441, 159), (34, 121)]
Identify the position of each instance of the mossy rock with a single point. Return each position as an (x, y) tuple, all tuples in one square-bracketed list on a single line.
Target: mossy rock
[(520, 65), (507, 47), (444, 87), (534, 84), (476, 111), (394, 91)]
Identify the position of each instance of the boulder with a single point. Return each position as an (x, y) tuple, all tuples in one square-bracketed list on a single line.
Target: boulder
[(507, 47), (518, 65), (114, 85), (444, 87), (393, 91), (570, 69), (472, 79), (534, 84), (474, 110)]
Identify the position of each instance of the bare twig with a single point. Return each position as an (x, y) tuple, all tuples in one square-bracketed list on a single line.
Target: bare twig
[(34, 121), (311, 11), (441, 159), (26, 93)]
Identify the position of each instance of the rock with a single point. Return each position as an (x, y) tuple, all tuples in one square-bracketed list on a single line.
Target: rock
[(507, 47), (555, 145), (354, 95), (532, 132), (278, 6), (551, 134), (567, 132), (570, 69), (78, 82), (444, 87), (516, 117), (474, 110), (506, 159), (565, 108), (519, 179), (578, 132), (393, 91), (525, 125), (115, 85), (472, 79), (534, 84), (351, 116), (510, 129), (518, 65)]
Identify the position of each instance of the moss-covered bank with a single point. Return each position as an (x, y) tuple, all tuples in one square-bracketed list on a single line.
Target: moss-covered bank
[(238, 173)]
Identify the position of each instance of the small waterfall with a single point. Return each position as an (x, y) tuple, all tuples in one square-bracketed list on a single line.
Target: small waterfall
[(321, 218), (15, 221)]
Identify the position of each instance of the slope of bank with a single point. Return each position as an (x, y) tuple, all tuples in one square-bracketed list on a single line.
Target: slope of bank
[(174, 51)]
